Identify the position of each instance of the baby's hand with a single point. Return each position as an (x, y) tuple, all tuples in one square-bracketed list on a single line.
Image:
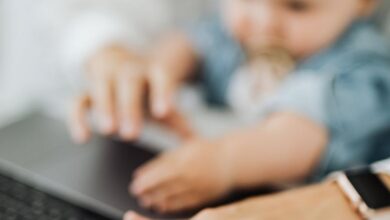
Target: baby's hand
[(119, 82), (188, 177)]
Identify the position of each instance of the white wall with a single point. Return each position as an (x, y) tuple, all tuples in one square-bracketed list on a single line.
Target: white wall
[(1, 29)]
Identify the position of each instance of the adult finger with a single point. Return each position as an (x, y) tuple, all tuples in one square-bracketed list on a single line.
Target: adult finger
[(130, 95), (162, 91), (179, 124), (78, 122), (104, 102)]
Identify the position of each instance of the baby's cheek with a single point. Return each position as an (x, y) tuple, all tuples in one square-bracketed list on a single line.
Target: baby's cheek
[(305, 37), (237, 20), (301, 48), (305, 43)]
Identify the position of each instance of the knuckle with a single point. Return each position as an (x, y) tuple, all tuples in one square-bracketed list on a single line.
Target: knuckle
[(131, 71), (97, 72)]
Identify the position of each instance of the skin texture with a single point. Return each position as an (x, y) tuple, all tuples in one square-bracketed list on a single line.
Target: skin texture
[(204, 170), (266, 153), (120, 82), (322, 201), (302, 27), (269, 152)]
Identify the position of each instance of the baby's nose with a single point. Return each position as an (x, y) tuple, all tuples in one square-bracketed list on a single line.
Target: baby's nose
[(266, 20)]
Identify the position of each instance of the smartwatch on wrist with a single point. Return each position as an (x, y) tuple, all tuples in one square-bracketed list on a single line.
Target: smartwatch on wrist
[(366, 191)]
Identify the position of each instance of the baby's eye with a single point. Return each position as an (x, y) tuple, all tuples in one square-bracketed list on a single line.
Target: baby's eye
[(297, 5)]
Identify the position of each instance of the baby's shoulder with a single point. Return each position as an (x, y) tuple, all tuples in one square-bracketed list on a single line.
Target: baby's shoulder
[(362, 45), (361, 49)]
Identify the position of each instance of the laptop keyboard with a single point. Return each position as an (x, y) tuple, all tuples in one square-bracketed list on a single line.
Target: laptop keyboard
[(19, 201)]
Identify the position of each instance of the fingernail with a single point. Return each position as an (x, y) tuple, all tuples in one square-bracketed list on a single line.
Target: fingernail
[(135, 189), (107, 125), (128, 131), (146, 203), (129, 216), (79, 136), (160, 109)]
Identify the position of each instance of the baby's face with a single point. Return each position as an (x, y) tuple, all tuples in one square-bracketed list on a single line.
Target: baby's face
[(302, 27)]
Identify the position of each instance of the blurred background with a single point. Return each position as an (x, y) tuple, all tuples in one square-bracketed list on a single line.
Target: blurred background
[(38, 62), (44, 42)]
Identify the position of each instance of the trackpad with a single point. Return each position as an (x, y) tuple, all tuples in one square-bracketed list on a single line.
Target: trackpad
[(102, 173)]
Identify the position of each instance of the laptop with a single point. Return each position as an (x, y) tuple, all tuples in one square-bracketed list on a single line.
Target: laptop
[(44, 175)]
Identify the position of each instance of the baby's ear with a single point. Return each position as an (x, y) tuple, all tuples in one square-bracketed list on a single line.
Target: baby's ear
[(367, 7)]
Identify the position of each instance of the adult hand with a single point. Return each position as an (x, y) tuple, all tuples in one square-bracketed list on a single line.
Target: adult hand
[(120, 82)]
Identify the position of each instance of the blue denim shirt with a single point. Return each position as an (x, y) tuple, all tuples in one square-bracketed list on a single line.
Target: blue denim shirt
[(345, 88)]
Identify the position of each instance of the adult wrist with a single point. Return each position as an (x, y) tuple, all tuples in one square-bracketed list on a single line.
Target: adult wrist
[(367, 191), (341, 203)]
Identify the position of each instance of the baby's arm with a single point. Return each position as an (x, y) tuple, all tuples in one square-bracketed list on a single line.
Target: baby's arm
[(285, 147)]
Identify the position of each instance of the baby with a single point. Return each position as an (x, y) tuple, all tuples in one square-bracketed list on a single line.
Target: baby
[(311, 115)]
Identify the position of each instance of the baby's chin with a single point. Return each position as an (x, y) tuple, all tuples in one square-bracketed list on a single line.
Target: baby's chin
[(265, 50), (272, 55)]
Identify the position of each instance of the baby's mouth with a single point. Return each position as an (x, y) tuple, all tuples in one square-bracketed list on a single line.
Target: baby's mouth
[(271, 53), (265, 46)]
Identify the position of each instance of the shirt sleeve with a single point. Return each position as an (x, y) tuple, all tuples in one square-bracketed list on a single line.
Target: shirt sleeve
[(353, 106)]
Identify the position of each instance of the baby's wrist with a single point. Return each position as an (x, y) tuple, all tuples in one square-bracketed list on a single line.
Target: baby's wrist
[(241, 175)]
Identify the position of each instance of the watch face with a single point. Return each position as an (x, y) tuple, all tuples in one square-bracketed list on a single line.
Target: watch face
[(370, 187)]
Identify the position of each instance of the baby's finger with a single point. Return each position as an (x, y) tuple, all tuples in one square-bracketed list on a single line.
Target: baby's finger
[(161, 199), (162, 92), (78, 122), (103, 100), (180, 202), (179, 124), (152, 178), (152, 164), (130, 94)]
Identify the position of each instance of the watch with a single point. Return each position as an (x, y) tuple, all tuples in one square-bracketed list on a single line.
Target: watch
[(366, 191)]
